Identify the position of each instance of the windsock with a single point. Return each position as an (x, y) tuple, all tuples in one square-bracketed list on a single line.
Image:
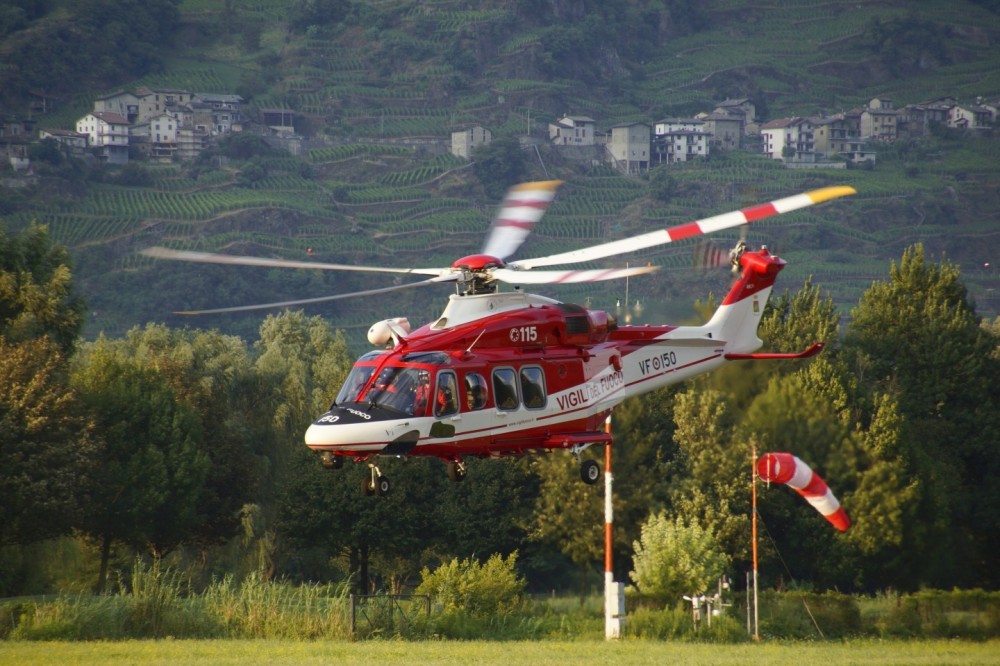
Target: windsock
[(790, 470)]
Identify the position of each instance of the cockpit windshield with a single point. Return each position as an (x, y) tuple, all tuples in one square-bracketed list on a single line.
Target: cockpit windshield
[(400, 388)]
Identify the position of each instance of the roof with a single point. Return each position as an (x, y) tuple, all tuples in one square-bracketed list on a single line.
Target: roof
[(780, 123), (55, 131), (110, 117)]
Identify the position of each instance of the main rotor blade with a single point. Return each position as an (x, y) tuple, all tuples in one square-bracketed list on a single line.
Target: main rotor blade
[(697, 228), (566, 277), (323, 299), (521, 209), (209, 258)]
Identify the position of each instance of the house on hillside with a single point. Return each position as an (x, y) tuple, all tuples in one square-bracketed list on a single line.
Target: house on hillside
[(573, 131), (218, 114), (776, 135), (833, 138), (970, 117), (743, 109), (679, 140), (789, 139), (70, 143), (154, 101), (156, 139), (916, 120), (107, 132), (122, 102), (629, 147), (878, 120), (465, 142), (725, 131)]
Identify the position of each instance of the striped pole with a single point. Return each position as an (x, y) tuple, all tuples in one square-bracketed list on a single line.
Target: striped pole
[(612, 591)]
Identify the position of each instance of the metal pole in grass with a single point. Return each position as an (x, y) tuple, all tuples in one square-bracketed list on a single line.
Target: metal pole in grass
[(614, 593)]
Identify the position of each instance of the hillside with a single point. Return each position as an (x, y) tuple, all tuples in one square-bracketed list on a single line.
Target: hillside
[(398, 71)]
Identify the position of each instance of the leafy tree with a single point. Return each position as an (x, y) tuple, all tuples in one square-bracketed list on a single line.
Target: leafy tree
[(917, 339), (212, 374), (36, 290), (500, 164), (674, 558), (710, 472), (146, 485), (44, 443)]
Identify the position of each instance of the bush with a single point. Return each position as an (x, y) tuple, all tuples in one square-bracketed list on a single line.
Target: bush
[(677, 624), (479, 590), (798, 614), (967, 614)]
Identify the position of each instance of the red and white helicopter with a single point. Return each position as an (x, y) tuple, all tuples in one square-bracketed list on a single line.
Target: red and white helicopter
[(508, 373)]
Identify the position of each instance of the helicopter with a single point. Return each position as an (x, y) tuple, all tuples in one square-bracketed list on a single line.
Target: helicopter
[(508, 373)]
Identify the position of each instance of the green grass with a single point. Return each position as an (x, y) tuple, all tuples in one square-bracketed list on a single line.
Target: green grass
[(513, 653)]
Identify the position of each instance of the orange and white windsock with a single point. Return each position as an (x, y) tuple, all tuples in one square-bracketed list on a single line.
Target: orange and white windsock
[(790, 470)]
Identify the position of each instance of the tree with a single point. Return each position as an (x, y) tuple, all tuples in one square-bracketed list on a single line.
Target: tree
[(674, 558), (916, 338), (145, 487), (212, 374), (44, 443), (36, 290), (499, 165)]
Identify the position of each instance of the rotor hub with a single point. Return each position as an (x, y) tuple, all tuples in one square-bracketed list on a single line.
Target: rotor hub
[(478, 263)]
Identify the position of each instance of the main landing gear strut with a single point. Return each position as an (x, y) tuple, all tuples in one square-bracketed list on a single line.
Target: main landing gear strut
[(375, 483), (590, 470)]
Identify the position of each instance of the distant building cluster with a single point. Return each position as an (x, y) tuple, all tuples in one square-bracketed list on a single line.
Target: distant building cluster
[(850, 136), (166, 125), (155, 123)]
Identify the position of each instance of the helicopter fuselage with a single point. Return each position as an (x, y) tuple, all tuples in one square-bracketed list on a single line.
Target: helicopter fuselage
[(503, 374)]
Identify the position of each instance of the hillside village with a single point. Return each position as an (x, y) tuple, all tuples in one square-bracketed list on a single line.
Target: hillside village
[(165, 125)]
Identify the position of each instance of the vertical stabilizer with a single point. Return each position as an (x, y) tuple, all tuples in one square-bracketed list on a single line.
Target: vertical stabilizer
[(736, 320)]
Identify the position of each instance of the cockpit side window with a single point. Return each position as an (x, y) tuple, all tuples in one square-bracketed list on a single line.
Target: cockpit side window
[(505, 389), (446, 402), (477, 394)]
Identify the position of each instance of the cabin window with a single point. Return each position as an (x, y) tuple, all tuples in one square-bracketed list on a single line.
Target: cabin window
[(505, 388), (476, 392), (533, 387), (446, 398)]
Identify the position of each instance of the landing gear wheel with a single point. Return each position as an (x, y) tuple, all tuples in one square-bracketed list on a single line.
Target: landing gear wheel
[(590, 472), (367, 486), (457, 471), (382, 486)]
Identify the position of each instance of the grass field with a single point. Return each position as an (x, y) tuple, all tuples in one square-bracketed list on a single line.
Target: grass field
[(514, 653)]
